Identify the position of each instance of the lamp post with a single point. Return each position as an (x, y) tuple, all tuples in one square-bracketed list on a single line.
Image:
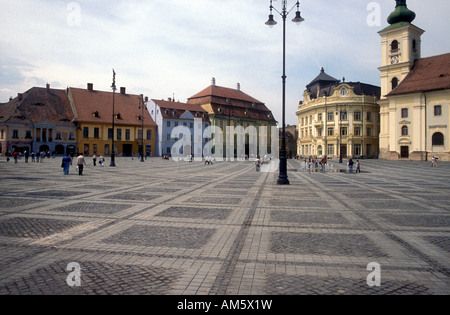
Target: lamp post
[(141, 101), (283, 177), (113, 158)]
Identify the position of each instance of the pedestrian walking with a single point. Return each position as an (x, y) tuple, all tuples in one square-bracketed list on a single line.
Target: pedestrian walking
[(42, 156), (27, 155), (66, 163), (80, 163), (434, 161), (350, 165), (358, 166), (101, 160), (258, 165), (94, 159), (16, 156), (32, 157)]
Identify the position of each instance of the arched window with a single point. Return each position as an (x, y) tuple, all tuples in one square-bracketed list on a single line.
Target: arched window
[(394, 46), (438, 139), (394, 83), (404, 130), (414, 45)]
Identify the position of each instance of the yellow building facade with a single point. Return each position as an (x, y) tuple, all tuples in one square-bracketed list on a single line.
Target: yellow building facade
[(134, 129), (338, 119), (415, 94)]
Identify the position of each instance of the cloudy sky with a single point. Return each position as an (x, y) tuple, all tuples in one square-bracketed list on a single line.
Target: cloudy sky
[(166, 48)]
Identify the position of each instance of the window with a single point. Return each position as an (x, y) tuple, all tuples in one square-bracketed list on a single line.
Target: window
[(404, 130), (330, 149), (168, 124), (357, 149), (438, 139), (343, 131), (330, 131), (127, 134), (319, 117), (404, 113), (394, 46), (331, 116), (96, 133), (357, 115), (71, 136), (344, 115), (110, 133), (319, 132), (357, 131), (319, 150), (86, 132), (368, 149), (28, 134), (394, 83), (191, 125), (2, 135), (58, 136), (369, 132), (149, 134), (369, 116), (176, 124), (168, 137), (437, 110), (119, 134), (140, 135)]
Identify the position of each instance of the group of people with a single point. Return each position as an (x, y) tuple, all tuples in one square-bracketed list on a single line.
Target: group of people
[(35, 157), (351, 163), (80, 162)]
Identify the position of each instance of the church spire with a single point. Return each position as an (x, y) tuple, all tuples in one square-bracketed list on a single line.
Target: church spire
[(401, 13)]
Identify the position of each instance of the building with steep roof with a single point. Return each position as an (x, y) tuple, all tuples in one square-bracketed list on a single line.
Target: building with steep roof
[(415, 93), (168, 115), (134, 129), (233, 108), (338, 119), (38, 120)]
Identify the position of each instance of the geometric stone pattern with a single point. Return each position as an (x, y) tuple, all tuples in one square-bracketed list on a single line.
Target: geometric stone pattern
[(96, 278), (307, 285), (193, 213), (324, 244), (34, 228), (162, 227), (142, 235)]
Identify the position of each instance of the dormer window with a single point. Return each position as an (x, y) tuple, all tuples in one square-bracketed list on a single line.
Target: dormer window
[(118, 116), (344, 92), (95, 114)]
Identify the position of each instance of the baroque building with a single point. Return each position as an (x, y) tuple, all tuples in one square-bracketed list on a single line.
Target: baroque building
[(93, 116), (415, 93), (39, 120), (168, 115), (338, 119), (241, 112)]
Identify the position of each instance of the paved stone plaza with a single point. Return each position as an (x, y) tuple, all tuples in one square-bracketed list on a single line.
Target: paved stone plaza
[(169, 228)]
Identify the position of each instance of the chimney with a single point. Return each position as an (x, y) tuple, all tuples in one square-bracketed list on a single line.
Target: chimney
[(90, 86), (48, 88), (123, 90), (238, 86), (146, 98), (213, 81)]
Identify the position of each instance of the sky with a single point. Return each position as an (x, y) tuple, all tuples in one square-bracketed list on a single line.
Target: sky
[(173, 48)]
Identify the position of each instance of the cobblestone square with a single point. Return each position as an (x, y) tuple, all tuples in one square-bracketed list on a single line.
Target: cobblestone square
[(167, 228)]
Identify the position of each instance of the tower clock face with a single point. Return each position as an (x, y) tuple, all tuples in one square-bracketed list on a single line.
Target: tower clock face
[(394, 60)]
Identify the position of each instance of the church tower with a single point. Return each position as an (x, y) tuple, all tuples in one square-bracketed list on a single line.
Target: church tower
[(400, 48)]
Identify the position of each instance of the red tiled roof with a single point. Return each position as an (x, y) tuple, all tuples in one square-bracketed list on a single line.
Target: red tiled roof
[(177, 109), (87, 102), (427, 74), (232, 103), (38, 105), (224, 92)]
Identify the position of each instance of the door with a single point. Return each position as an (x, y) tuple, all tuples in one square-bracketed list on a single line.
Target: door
[(127, 150), (344, 151), (404, 152)]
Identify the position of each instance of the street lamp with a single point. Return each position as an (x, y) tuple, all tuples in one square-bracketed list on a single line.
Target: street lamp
[(113, 86), (283, 177), (141, 104)]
